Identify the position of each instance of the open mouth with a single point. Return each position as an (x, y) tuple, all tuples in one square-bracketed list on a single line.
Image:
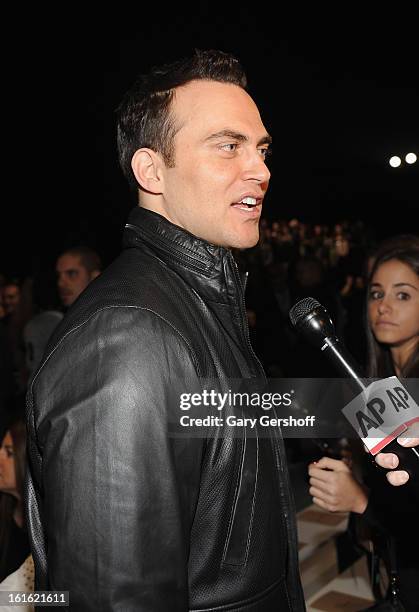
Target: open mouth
[(248, 204)]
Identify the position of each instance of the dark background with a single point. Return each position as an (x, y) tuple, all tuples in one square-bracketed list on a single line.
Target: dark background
[(339, 93)]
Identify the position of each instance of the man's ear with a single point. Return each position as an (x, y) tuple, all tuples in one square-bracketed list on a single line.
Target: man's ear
[(146, 165), (94, 274)]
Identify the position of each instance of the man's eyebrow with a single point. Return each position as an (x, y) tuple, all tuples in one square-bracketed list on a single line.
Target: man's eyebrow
[(265, 140), (237, 136)]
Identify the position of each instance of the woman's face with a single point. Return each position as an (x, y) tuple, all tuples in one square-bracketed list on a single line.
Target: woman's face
[(7, 466), (393, 307)]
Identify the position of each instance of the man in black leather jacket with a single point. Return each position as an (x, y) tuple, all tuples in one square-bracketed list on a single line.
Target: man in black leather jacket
[(122, 514)]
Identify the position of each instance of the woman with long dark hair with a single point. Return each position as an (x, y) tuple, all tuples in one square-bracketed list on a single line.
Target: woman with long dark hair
[(14, 544), (393, 349), (393, 344)]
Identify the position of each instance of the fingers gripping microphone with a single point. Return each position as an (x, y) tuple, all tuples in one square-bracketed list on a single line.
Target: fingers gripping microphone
[(369, 410)]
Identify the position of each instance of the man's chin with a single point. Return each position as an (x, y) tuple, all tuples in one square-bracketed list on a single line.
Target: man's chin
[(246, 241), (235, 237)]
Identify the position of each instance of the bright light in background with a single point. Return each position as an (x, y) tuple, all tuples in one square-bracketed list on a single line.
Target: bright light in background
[(410, 158), (395, 161)]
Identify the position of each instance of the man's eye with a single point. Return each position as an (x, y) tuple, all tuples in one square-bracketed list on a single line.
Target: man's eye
[(265, 152), (229, 147)]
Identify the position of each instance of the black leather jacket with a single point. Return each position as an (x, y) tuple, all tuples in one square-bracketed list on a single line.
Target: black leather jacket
[(121, 514)]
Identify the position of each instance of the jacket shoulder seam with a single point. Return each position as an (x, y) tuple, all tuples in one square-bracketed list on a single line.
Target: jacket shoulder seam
[(73, 329)]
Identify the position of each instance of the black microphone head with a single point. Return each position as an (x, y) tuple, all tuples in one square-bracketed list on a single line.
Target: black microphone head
[(312, 320), (302, 308)]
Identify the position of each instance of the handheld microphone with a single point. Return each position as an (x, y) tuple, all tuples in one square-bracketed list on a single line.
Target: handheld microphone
[(313, 322)]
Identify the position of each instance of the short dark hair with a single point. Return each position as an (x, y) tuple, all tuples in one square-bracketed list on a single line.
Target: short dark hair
[(88, 257), (144, 118)]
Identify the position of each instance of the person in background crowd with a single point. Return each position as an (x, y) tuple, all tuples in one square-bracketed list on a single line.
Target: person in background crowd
[(7, 383), (46, 317), (11, 296), (76, 268), (2, 309), (14, 542), (17, 306)]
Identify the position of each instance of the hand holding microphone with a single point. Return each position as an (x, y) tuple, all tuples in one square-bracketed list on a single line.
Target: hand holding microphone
[(381, 411), (390, 461)]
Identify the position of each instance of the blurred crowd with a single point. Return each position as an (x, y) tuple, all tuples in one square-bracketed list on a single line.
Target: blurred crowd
[(294, 260)]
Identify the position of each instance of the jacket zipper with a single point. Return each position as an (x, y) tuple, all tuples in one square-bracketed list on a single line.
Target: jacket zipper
[(243, 322), (280, 456)]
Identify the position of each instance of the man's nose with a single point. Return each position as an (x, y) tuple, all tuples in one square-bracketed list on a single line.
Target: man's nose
[(256, 169), (60, 281)]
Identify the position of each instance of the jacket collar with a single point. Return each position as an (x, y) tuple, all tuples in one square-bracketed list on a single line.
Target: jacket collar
[(206, 267)]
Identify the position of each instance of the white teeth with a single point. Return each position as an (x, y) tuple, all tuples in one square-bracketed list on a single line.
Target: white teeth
[(248, 200)]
